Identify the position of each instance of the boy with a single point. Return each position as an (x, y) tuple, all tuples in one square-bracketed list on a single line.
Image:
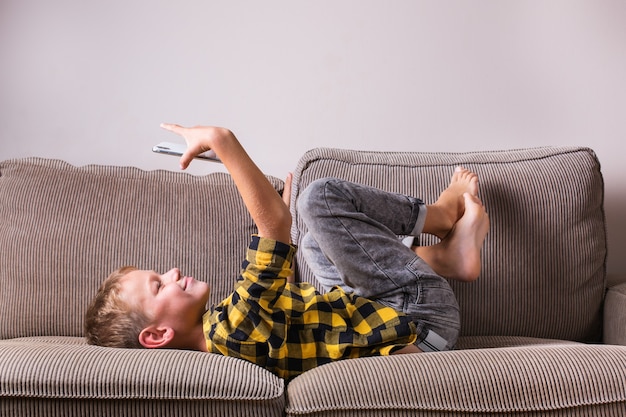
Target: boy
[(353, 249)]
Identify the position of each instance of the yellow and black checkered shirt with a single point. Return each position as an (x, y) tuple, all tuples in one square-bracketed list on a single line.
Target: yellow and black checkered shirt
[(290, 328)]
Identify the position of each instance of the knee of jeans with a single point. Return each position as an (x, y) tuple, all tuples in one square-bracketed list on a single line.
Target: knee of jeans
[(308, 245), (311, 197)]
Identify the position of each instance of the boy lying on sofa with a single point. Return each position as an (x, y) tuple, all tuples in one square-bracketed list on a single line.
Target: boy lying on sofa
[(383, 298)]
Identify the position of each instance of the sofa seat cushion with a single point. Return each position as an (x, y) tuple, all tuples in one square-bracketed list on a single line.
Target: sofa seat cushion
[(66, 368), (547, 380)]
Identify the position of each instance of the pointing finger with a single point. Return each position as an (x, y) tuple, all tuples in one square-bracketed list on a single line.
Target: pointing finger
[(173, 128)]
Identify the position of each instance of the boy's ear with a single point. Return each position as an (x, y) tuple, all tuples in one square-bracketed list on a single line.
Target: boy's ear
[(153, 337)]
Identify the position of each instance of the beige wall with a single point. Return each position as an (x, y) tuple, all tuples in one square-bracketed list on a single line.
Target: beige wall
[(89, 82)]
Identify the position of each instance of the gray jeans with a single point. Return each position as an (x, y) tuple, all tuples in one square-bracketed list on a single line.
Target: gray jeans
[(352, 242)]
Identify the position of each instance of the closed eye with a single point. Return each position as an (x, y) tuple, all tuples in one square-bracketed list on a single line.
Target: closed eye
[(156, 284)]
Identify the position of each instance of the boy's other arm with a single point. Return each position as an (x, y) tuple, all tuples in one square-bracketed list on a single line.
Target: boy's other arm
[(264, 204)]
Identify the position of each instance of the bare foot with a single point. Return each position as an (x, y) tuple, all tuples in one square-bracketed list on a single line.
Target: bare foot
[(450, 205), (457, 256)]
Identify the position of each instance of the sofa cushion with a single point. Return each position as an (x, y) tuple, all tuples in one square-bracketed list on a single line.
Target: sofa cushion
[(544, 380), (65, 376), (615, 315), (490, 342), (543, 271), (63, 229)]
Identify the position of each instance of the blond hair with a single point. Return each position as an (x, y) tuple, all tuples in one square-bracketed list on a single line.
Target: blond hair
[(110, 321)]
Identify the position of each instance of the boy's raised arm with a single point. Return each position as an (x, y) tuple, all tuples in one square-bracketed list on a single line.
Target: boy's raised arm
[(265, 205)]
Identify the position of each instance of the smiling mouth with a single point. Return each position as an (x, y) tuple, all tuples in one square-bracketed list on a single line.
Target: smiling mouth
[(186, 282)]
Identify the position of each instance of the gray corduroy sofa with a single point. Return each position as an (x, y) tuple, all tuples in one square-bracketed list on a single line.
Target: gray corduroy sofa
[(541, 331)]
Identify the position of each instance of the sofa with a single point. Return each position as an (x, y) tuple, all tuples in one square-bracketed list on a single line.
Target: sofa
[(543, 329)]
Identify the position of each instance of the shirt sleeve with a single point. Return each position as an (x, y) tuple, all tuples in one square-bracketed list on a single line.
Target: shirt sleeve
[(246, 323), (266, 267)]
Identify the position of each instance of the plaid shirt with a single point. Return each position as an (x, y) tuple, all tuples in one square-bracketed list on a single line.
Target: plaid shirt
[(290, 328)]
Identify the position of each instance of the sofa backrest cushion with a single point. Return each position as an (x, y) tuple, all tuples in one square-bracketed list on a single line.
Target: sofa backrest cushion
[(63, 229), (543, 272)]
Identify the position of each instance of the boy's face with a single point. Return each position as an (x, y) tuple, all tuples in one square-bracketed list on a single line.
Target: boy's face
[(169, 299)]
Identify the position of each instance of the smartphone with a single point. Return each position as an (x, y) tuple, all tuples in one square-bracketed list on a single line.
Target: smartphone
[(177, 149)]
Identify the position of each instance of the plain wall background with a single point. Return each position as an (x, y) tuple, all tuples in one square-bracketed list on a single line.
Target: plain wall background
[(89, 82)]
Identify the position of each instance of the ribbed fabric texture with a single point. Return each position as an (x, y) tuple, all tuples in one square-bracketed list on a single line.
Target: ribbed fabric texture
[(543, 272), (615, 315), (21, 407), (72, 369), (63, 229), (575, 380), (490, 342)]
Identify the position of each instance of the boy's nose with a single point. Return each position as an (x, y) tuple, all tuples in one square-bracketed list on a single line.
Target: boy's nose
[(173, 275)]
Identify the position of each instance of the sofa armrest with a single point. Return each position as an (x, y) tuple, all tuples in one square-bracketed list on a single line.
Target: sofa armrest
[(615, 315)]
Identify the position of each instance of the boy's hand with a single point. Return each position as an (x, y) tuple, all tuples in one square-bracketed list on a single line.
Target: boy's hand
[(267, 208), (287, 190), (287, 200), (199, 139)]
